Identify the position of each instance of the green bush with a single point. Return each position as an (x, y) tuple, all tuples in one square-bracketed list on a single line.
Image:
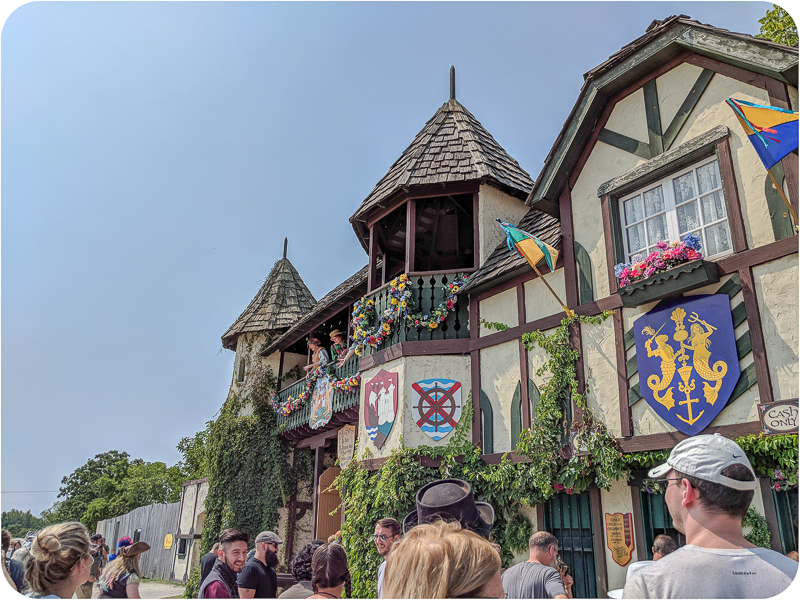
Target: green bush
[(193, 585)]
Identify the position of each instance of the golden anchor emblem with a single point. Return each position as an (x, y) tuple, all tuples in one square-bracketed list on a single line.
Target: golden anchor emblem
[(693, 345)]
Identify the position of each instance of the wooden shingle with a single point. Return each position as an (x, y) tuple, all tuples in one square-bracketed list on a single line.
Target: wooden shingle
[(281, 301)]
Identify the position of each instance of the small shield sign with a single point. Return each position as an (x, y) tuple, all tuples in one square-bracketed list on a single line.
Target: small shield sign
[(437, 406), (688, 365), (380, 406)]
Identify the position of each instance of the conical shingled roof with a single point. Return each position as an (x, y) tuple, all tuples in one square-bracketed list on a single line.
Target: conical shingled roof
[(280, 302), (453, 146)]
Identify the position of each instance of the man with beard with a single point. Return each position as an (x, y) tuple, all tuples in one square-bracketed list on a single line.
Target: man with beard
[(387, 532), (231, 556), (258, 578)]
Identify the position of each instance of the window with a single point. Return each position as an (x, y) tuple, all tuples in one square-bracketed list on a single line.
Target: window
[(690, 201), (240, 375), (183, 544)]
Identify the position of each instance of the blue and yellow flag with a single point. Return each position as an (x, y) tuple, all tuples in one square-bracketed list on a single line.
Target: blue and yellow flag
[(772, 131), (529, 246)]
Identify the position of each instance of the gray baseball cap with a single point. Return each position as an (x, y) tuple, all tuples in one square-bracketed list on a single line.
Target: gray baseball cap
[(704, 457), (269, 537)]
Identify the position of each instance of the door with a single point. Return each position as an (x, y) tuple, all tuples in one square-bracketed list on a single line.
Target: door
[(569, 518), (329, 501), (656, 520)]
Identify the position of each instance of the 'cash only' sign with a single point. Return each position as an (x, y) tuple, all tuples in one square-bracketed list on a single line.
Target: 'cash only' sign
[(779, 417)]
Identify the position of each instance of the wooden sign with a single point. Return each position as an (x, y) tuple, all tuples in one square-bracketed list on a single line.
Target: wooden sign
[(779, 417), (619, 537), (168, 541), (346, 445)]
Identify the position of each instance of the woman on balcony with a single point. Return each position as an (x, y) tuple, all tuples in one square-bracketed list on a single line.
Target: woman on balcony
[(339, 344), (319, 356)]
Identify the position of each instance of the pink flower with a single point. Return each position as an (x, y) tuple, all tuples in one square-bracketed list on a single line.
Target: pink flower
[(777, 486), (558, 487), (570, 490)]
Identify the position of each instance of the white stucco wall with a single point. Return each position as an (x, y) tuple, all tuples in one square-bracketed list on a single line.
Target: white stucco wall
[(539, 302), (777, 293), (673, 87), (599, 361), (628, 117), (500, 308), (494, 204), (711, 111), (411, 369), (604, 163), (500, 374)]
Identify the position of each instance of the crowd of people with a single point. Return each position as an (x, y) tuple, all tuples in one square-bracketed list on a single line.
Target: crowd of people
[(443, 549)]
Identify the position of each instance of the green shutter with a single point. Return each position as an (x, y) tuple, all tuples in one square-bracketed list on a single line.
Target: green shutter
[(585, 283), (488, 424)]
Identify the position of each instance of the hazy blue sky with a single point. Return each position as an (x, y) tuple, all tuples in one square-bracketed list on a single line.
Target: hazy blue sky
[(154, 156)]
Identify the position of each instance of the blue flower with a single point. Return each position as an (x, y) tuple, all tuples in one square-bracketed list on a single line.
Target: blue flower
[(693, 242), (619, 268)]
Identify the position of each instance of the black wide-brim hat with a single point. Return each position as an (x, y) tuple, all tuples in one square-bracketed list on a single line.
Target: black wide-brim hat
[(451, 499)]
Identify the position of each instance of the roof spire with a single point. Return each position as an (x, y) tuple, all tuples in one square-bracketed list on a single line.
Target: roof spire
[(452, 82), (285, 245)]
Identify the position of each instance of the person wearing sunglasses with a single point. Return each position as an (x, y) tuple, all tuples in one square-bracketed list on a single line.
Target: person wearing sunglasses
[(59, 561), (258, 578), (387, 532)]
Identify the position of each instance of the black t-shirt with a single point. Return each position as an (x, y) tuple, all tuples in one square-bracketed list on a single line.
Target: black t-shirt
[(259, 577), (206, 564)]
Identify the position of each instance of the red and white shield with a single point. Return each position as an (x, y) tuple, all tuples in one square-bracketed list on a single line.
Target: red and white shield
[(380, 406)]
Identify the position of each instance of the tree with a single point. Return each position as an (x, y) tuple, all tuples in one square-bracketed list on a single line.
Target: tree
[(19, 523), (110, 485), (194, 450), (777, 25)]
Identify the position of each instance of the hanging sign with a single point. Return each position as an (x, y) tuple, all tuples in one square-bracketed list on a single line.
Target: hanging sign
[(437, 406), (168, 541), (321, 403), (779, 417), (346, 445), (619, 537), (380, 406), (686, 354)]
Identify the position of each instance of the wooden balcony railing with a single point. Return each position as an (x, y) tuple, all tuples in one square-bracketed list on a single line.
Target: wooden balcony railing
[(341, 400), (428, 292)]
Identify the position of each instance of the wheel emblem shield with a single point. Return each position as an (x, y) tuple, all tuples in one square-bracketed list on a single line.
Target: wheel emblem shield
[(437, 406)]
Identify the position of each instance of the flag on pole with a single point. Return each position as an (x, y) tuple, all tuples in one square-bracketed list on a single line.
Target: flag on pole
[(529, 246), (772, 131)]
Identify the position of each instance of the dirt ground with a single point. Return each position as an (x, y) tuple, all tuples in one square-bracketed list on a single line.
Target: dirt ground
[(157, 589)]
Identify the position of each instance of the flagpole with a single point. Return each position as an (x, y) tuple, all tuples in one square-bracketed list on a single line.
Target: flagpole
[(570, 313), (783, 197)]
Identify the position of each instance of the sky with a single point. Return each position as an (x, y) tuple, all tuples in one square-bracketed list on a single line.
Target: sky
[(153, 156)]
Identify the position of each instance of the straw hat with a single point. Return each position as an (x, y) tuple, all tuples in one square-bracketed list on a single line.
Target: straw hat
[(134, 549)]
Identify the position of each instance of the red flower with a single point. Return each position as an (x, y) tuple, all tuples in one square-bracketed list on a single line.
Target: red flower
[(558, 487), (449, 304), (569, 490)]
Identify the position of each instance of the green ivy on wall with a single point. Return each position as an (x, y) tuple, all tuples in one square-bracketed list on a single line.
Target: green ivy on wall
[(250, 476)]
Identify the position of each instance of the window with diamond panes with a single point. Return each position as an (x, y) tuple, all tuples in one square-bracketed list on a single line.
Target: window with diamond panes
[(691, 201)]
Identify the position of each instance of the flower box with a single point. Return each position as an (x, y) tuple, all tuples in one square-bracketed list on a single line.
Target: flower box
[(669, 284)]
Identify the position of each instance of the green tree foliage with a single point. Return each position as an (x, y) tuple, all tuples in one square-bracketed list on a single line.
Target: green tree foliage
[(110, 484), (777, 25), (19, 523), (194, 453), (250, 476)]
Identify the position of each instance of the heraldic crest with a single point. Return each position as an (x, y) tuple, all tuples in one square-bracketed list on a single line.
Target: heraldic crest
[(687, 360), (380, 406)]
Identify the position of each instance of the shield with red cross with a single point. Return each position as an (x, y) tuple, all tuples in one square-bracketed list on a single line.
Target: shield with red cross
[(437, 406)]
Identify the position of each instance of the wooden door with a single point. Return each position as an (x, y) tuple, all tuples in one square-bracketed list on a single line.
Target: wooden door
[(328, 502)]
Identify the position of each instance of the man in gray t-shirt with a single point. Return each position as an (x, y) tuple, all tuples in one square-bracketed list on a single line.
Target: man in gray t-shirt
[(709, 486), (535, 578)]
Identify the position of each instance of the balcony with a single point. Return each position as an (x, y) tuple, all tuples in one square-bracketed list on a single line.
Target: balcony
[(345, 406), (428, 292)]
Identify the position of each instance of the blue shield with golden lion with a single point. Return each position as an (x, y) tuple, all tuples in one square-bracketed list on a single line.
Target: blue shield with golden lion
[(688, 365)]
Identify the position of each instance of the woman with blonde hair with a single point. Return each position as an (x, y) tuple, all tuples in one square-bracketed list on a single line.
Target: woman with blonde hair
[(59, 561), (442, 560), (121, 577)]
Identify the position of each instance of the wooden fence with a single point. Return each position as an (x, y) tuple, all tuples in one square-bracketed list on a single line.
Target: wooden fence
[(149, 524)]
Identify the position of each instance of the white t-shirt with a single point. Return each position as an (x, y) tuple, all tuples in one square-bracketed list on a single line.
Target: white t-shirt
[(381, 572), (695, 572)]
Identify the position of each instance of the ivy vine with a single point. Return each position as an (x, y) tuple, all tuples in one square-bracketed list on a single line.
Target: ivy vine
[(759, 532), (249, 470)]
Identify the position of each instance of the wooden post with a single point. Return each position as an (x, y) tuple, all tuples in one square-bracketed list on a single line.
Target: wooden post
[(319, 456)]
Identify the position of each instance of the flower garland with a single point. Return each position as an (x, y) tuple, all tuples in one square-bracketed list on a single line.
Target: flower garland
[(401, 307), (346, 385), (664, 257)]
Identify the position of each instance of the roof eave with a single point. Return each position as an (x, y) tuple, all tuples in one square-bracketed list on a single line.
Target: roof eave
[(766, 58)]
